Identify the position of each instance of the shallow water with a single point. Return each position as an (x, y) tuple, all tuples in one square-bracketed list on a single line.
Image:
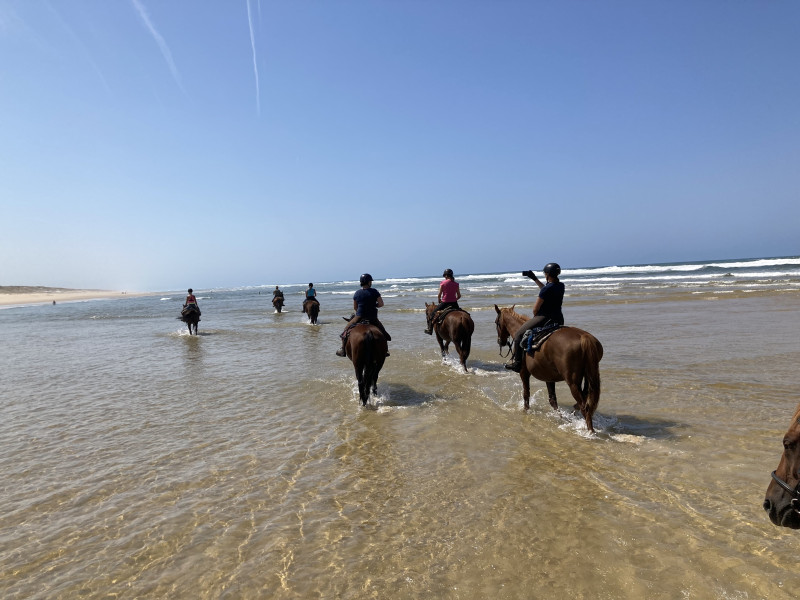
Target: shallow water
[(140, 462)]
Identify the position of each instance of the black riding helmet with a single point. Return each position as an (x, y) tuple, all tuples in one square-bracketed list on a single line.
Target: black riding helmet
[(552, 269), (365, 279), (447, 273)]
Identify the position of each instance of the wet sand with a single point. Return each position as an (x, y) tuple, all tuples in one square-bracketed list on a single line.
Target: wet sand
[(18, 295)]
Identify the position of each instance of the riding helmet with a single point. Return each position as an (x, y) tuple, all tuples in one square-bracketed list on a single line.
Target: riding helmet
[(447, 273), (365, 279), (552, 269)]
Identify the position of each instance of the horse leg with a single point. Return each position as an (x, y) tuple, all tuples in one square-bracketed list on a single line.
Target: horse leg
[(526, 387), (363, 390), (442, 347), (580, 403), (551, 394)]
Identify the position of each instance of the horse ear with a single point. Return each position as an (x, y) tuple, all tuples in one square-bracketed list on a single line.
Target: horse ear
[(497, 309), (512, 307)]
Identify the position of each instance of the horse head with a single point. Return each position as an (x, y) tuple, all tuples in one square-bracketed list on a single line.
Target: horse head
[(505, 329), (782, 501)]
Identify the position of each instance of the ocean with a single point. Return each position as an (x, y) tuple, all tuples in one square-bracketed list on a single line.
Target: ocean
[(138, 461)]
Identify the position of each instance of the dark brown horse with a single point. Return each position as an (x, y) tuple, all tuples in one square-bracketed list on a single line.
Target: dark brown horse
[(366, 347), (782, 501), (190, 316), (456, 327), (277, 302), (570, 355), (311, 308)]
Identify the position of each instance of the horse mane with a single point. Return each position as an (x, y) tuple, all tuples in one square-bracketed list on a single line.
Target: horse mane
[(513, 313)]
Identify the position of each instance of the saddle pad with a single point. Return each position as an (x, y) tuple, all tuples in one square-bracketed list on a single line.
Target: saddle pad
[(538, 336)]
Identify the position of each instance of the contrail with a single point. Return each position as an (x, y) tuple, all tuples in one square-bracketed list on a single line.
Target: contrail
[(253, 46), (162, 45)]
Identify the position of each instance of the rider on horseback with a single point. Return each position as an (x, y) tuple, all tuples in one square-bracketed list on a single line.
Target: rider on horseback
[(190, 303), (311, 294), (366, 303), (546, 310), (449, 294)]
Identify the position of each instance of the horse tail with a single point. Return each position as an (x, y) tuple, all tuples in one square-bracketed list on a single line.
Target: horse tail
[(592, 353)]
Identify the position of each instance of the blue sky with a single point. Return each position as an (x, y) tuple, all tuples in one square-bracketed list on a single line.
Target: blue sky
[(154, 145)]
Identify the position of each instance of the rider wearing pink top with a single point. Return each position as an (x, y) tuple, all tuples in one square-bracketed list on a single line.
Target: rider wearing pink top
[(449, 295)]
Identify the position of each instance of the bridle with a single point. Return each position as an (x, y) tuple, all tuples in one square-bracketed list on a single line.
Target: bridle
[(508, 339), (794, 492)]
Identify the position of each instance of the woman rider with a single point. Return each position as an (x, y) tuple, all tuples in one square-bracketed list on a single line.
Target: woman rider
[(449, 294), (366, 303), (311, 294), (191, 302), (547, 310)]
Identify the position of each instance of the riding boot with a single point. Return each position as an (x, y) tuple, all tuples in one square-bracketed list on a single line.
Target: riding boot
[(515, 364)]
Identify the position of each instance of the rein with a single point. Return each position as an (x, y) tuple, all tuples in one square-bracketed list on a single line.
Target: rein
[(508, 340)]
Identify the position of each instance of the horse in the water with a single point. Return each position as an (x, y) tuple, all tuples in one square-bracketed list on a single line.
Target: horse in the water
[(277, 302), (311, 308), (366, 346), (457, 327), (190, 316), (782, 501), (570, 354)]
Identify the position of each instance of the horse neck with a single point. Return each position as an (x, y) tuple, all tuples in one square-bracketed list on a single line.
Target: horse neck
[(514, 321)]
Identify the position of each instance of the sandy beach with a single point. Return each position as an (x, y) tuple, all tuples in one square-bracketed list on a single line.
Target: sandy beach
[(18, 295)]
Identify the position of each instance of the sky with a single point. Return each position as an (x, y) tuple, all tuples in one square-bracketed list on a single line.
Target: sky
[(154, 145)]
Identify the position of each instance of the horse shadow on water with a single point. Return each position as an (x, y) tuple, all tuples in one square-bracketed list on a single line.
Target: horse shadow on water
[(627, 427), (396, 396), (480, 365)]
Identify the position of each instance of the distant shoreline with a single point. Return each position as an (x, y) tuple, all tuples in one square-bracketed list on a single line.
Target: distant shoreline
[(22, 294)]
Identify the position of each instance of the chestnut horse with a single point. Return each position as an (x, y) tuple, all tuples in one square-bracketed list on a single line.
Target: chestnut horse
[(570, 354), (311, 308), (190, 316), (456, 327), (277, 302), (782, 501), (366, 347)]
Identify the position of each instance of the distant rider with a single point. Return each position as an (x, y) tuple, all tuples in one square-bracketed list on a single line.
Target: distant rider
[(311, 294), (366, 303), (546, 311), (449, 295), (191, 302)]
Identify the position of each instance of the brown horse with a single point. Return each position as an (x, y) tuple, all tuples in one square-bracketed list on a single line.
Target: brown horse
[(190, 316), (570, 355), (366, 347), (456, 327), (782, 501), (277, 302), (311, 308)]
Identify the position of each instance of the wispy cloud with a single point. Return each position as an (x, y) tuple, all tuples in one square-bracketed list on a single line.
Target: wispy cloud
[(162, 44), (79, 43), (253, 46)]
